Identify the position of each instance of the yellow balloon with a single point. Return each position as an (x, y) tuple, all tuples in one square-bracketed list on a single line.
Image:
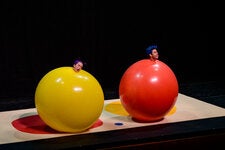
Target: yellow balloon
[(69, 101)]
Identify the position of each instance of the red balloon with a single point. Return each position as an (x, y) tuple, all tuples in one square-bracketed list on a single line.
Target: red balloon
[(148, 90)]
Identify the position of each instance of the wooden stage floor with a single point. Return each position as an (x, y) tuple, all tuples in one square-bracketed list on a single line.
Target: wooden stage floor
[(21, 126)]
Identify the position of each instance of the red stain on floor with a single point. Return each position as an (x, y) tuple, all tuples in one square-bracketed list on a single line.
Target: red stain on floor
[(34, 124)]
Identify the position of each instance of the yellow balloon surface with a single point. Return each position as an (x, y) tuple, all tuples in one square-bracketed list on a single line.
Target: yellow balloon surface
[(69, 101)]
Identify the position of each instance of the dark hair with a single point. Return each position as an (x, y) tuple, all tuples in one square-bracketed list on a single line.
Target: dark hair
[(150, 48), (77, 60)]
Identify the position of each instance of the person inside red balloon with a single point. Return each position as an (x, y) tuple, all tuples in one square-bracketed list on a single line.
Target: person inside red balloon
[(78, 65), (152, 52)]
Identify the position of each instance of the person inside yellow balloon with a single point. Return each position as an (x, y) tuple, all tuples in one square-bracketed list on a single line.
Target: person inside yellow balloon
[(70, 89), (152, 52), (78, 65)]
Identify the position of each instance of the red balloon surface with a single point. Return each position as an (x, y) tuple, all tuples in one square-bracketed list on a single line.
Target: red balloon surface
[(148, 90)]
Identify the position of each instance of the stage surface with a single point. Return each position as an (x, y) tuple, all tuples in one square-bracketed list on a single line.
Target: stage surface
[(25, 125)]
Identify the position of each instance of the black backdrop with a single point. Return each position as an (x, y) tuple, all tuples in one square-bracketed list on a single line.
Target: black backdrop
[(38, 36)]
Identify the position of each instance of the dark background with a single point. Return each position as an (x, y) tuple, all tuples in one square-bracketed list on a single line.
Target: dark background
[(38, 36)]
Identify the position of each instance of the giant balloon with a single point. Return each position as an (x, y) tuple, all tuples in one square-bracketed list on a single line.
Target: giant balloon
[(148, 90), (69, 101)]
